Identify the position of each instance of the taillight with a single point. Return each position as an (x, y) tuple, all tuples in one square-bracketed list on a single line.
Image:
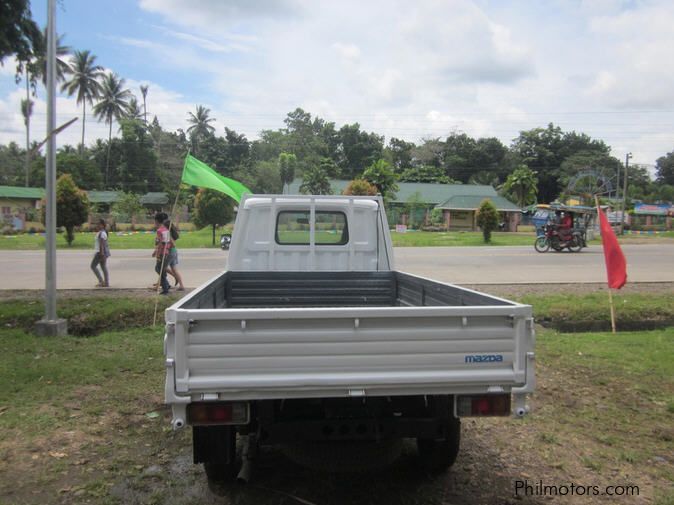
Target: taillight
[(211, 413), (483, 405)]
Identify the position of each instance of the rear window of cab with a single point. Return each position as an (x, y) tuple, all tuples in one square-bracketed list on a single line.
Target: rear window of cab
[(293, 228)]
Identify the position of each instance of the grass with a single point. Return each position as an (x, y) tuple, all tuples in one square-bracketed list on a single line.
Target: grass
[(459, 238), (203, 239), (632, 309), (122, 240), (86, 315), (78, 415)]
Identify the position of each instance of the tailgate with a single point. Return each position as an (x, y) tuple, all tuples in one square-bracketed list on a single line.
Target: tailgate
[(323, 352)]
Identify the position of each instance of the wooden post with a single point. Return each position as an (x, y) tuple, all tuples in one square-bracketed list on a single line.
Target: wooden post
[(610, 301)]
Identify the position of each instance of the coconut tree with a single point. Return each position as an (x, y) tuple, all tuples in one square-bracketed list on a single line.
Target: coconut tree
[(199, 124), (84, 82), (113, 103), (39, 66), (143, 90), (133, 110)]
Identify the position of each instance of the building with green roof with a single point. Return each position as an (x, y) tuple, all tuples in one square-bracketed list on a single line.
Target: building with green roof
[(414, 201), (19, 205)]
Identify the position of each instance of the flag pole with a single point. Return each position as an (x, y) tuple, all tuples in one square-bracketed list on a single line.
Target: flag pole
[(161, 268), (610, 291)]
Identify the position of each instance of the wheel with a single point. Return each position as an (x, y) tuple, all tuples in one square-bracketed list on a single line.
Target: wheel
[(439, 455), (542, 244), (575, 244)]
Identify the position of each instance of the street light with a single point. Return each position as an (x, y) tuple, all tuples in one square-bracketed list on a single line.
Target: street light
[(622, 213)]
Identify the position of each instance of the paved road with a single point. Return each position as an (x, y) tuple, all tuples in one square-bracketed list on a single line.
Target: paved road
[(462, 265)]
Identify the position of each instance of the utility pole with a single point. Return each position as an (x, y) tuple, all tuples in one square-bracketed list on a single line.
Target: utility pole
[(622, 213), (50, 325)]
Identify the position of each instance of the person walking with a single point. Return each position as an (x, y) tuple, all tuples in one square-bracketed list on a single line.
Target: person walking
[(173, 255), (162, 248), (101, 255)]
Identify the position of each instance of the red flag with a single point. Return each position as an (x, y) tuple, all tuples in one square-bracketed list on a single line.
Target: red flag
[(616, 266)]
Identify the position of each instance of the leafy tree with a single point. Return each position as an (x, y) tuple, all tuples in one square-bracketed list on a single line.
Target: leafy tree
[(84, 76), (359, 149), (487, 219), (381, 175), (360, 187), (399, 154), (315, 182), (19, 34), (412, 205), (426, 173), (85, 172), (437, 217), (127, 207), (212, 208), (72, 206), (522, 186), (114, 101), (287, 163), (664, 168), (545, 149), (200, 125), (137, 169)]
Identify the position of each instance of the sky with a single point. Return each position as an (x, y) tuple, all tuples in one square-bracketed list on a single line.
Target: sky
[(411, 70)]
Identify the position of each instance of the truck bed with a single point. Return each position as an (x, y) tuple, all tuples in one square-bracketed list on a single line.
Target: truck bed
[(270, 335)]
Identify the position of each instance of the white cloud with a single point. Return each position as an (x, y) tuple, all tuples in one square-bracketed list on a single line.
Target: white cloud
[(413, 70)]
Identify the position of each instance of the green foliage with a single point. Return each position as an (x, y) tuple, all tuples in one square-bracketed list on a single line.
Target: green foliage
[(664, 167), (72, 206), (137, 167), (522, 186), (200, 126), (212, 208), (127, 207), (413, 205), (426, 173), (315, 182), (487, 219), (437, 217), (381, 175), (360, 187), (19, 34), (84, 171), (287, 164)]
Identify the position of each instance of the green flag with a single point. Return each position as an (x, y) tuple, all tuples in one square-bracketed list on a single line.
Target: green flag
[(197, 173)]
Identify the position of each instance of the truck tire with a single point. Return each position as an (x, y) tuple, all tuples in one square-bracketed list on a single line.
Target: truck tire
[(439, 455)]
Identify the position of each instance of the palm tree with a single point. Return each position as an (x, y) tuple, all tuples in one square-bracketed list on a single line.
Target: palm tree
[(112, 105), (39, 66), (27, 111), (200, 127), (143, 91), (133, 110), (84, 82), (522, 184)]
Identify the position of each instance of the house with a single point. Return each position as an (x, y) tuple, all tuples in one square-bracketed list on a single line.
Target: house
[(20, 206), (414, 201), (652, 217)]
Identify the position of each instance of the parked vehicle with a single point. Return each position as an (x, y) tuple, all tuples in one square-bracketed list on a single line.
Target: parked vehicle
[(312, 339), (552, 238), (225, 241)]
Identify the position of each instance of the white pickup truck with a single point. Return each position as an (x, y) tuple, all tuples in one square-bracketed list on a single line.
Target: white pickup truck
[(311, 337)]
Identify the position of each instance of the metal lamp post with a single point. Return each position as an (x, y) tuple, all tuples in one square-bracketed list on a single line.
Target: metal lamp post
[(51, 325)]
